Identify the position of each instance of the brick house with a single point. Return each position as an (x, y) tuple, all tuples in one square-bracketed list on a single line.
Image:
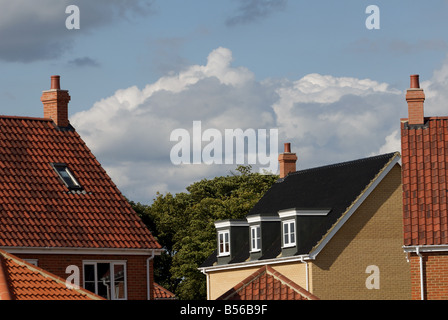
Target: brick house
[(59, 208), (424, 144), (332, 232)]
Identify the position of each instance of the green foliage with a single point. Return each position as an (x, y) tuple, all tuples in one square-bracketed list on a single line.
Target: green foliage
[(184, 225)]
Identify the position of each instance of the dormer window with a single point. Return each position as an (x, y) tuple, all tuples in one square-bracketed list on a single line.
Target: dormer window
[(224, 243), (255, 238), (289, 233), (66, 176)]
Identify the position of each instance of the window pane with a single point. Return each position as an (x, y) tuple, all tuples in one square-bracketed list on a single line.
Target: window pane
[(66, 175), (103, 276), (221, 242), (285, 234), (292, 232), (89, 272), (90, 286), (119, 283)]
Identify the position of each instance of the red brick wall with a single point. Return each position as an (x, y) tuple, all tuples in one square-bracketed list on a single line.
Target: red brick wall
[(435, 267), (135, 267)]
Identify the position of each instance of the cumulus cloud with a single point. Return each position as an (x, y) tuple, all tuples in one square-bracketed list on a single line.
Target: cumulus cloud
[(435, 91), (35, 30), (333, 119), (327, 119), (130, 131)]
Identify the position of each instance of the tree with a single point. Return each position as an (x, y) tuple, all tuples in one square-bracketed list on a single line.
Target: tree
[(184, 225)]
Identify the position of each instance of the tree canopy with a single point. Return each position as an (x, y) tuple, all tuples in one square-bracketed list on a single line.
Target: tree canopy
[(184, 225)]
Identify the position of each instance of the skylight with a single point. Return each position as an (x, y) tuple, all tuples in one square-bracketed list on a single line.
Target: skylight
[(66, 176)]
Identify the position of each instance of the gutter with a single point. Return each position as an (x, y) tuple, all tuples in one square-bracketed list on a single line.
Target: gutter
[(256, 263)]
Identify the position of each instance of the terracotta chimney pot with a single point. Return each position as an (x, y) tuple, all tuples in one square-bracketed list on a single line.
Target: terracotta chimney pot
[(287, 161), (55, 103), (415, 98)]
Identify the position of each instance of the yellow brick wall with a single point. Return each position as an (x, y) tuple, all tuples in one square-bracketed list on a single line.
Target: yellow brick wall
[(372, 236)]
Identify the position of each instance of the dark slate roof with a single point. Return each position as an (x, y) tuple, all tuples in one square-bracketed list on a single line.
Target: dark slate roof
[(333, 187)]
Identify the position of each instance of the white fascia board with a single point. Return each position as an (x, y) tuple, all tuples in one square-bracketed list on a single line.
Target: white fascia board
[(97, 251), (256, 263), (259, 218), (230, 223), (355, 206), (426, 248), (287, 213)]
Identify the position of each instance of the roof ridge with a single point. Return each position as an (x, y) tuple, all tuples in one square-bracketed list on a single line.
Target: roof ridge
[(24, 118), (344, 163)]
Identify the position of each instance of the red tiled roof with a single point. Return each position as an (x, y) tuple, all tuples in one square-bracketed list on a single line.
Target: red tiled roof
[(20, 280), (267, 284), (160, 293), (425, 178), (38, 210)]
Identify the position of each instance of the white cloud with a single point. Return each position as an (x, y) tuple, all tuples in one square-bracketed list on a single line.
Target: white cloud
[(327, 119)]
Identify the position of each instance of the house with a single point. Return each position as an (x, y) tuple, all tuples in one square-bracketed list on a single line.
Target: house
[(331, 232), (424, 144), (21, 280), (60, 209)]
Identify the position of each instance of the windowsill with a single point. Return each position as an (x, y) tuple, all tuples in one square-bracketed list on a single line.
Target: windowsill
[(255, 251), (289, 246), (223, 254)]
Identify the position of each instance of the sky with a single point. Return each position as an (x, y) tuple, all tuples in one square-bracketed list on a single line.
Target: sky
[(137, 71)]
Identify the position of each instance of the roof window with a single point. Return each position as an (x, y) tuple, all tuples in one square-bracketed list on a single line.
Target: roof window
[(66, 176)]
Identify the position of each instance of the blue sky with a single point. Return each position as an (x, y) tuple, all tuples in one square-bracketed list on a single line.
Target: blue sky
[(136, 70)]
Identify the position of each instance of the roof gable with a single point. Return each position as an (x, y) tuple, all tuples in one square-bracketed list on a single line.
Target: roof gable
[(267, 284), (38, 210), (20, 280)]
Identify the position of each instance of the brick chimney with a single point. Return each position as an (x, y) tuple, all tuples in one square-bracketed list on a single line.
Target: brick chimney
[(287, 161), (415, 98), (55, 103)]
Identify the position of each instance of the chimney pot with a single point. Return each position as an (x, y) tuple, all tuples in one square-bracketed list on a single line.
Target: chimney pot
[(55, 82), (415, 98), (55, 103), (287, 161), (415, 81)]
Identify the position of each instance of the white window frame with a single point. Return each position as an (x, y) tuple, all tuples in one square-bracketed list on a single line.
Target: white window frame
[(289, 238), (112, 263), (226, 244), (255, 238)]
